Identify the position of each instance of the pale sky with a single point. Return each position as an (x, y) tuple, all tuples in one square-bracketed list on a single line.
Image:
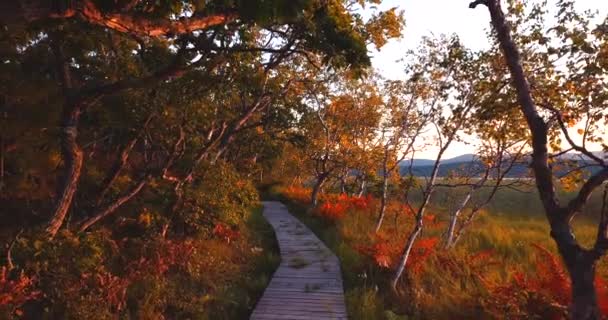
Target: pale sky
[(426, 17)]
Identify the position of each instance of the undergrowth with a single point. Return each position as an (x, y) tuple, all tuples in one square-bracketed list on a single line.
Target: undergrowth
[(504, 267)]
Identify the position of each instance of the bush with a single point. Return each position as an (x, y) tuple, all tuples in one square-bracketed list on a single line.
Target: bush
[(217, 195), (127, 268)]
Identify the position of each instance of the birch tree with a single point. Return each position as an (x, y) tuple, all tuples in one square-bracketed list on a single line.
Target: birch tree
[(553, 102)]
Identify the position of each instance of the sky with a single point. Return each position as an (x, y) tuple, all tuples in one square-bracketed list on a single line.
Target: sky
[(428, 17)]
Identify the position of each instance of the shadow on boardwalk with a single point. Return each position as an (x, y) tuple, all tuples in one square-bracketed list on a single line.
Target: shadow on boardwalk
[(308, 283)]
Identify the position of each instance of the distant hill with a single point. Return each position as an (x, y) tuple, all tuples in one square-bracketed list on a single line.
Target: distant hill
[(466, 164), (417, 162), (428, 162)]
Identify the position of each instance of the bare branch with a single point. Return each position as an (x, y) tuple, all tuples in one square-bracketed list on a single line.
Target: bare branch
[(576, 204)]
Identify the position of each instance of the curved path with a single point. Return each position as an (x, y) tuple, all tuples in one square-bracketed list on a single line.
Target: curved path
[(308, 283)]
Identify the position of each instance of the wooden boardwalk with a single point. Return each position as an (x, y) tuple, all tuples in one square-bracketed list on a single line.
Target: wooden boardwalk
[(308, 283)]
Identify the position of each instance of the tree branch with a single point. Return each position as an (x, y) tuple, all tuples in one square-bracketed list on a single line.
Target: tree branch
[(576, 204), (536, 124), (133, 23)]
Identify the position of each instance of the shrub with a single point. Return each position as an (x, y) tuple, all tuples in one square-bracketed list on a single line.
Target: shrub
[(218, 194), (15, 291), (543, 294), (336, 209), (332, 211), (386, 252), (297, 194)]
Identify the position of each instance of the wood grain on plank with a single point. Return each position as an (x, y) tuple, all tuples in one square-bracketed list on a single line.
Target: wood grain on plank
[(308, 283)]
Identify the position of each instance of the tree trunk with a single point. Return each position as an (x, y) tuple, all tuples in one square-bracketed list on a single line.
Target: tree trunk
[(121, 162), (363, 187), (419, 218), (73, 159), (314, 197), (580, 264), (584, 297), (114, 205), (382, 202), (406, 252), (449, 240), (342, 185), (2, 163)]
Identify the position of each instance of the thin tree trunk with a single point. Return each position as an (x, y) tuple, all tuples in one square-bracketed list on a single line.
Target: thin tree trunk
[(114, 205), (71, 151), (411, 240), (73, 160), (383, 199), (385, 175), (363, 187), (420, 215), (449, 241), (458, 233), (314, 197), (406, 252), (121, 162)]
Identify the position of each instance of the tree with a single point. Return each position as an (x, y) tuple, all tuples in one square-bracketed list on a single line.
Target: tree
[(488, 170), (452, 73), (404, 122), (576, 94), (340, 127), (158, 43)]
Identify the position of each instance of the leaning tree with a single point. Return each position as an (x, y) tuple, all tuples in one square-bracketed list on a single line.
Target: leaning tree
[(559, 75), (85, 51)]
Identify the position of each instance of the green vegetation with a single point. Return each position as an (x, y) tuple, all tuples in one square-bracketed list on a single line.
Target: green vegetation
[(202, 277), (460, 283), (136, 137), (132, 137)]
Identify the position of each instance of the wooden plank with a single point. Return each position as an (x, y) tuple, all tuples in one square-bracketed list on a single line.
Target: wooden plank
[(308, 283)]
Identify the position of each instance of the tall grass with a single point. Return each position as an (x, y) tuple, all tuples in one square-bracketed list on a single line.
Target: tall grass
[(462, 283)]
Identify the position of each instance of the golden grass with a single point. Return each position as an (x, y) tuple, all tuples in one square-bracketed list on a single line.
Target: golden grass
[(452, 285)]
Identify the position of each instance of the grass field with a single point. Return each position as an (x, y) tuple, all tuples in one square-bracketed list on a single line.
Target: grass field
[(504, 267)]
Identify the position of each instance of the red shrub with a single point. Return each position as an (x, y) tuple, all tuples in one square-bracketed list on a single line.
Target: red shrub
[(602, 292), (381, 251), (14, 293), (335, 209), (297, 194), (154, 262), (225, 232), (113, 288), (422, 250), (546, 293), (332, 211), (386, 254), (357, 203)]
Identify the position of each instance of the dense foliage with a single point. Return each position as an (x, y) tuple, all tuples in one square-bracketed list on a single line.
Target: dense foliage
[(135, 137), (133, 133)]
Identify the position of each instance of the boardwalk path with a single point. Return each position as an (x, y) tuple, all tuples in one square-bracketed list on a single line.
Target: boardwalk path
[(308, 283)]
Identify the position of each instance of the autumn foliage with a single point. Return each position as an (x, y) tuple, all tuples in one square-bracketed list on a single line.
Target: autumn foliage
[(543, 294), (225, 232), (335, 208), (15, 291), (380, 248), (297, 194), (385, 253)]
